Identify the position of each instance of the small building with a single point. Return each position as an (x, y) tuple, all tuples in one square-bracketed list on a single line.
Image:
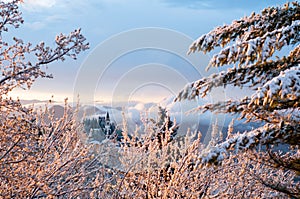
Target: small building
[(99, 128), (107, 126)]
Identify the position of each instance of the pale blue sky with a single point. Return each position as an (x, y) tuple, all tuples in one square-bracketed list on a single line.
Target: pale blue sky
[(101, 19)]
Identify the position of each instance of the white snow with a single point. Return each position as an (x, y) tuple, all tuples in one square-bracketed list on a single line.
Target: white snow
[(286, 86), (261, 47)]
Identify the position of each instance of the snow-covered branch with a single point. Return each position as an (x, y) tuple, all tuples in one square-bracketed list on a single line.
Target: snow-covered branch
[(251, 75), (248, 28), (16, 72), (257, 49), (281, 90), (268, 134)]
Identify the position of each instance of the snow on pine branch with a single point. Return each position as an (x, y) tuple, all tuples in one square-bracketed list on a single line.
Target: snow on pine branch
[(253, 74), (253, 113), (201, 87), (268, 134), (281, 92), (290, 115), (257, 49), (283, 88), (246, 28)]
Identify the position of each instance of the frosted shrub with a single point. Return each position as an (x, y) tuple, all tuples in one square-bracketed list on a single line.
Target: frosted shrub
[(46, 157), (40, 156)]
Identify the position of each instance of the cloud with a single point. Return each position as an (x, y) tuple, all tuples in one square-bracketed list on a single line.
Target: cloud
[(38, 5), (216, 4), (37, 25), (41, 22)]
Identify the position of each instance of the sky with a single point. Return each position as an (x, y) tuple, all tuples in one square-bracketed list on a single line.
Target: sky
[(137, 47)]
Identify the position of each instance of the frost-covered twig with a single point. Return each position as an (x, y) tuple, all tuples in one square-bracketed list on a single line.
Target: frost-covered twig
[(17, 72)]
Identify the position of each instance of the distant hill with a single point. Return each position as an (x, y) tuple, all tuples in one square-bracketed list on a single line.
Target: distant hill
[(58, 111)]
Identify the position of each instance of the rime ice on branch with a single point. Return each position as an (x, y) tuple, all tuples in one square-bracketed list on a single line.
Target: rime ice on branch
[(16, 71), (40, 156)]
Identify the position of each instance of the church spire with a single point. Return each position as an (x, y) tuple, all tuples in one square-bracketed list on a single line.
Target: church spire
[(107, 117)]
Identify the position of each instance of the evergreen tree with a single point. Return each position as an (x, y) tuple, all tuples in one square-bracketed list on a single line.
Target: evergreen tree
[(166, 129), (250, 47)]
